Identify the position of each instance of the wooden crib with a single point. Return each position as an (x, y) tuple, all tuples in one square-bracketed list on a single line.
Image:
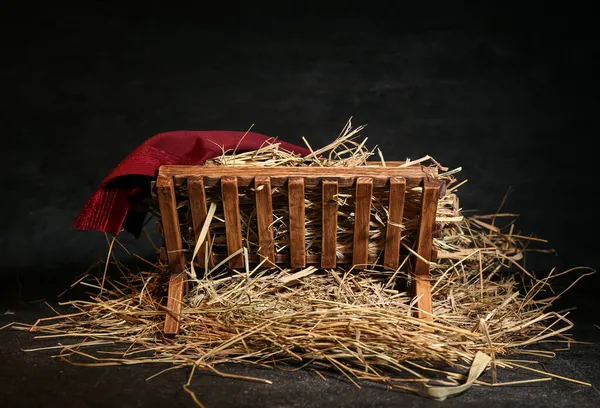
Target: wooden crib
[(396, 178)]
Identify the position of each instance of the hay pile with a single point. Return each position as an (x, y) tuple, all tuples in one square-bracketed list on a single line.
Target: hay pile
[(344, 151), (360, 324)]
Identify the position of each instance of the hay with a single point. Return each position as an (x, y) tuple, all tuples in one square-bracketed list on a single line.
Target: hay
[(360, 324), (344, 151)]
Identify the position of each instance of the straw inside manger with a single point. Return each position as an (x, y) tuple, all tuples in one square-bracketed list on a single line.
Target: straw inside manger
[(345, 151), (360, 324)]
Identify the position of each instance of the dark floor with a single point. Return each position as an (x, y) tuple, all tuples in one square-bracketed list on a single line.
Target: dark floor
[(508, 96)]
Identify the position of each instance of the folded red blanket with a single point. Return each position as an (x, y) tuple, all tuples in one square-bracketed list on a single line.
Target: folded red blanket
[(109, 207)]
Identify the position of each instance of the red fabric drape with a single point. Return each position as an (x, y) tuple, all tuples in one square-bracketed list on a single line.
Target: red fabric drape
[(109, 207)]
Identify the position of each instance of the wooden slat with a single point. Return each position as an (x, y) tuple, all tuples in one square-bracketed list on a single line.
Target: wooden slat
[(313, 175), (264, 219), (170, 223), (297, 224), (422, 287), (174, 304), (362, 218), (329, 224), (175, 256), (424, 246), (233, 227), (391, 256), (369, 165), (310, 181), (197, 195)]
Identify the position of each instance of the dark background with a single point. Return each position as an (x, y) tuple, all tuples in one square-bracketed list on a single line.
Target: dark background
[(508, 93)]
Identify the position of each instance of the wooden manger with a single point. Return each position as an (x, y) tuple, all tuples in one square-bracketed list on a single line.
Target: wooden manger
[(393, 178)]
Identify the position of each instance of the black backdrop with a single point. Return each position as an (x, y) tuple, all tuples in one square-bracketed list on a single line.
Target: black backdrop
[(507, 93)]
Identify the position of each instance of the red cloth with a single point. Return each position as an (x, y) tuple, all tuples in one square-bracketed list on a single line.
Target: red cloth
[(109, 207)]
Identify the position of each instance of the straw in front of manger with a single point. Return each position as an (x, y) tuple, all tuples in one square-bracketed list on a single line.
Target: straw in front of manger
[(360, 324)]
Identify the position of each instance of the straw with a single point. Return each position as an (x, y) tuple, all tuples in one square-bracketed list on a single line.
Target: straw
[(486, 305)]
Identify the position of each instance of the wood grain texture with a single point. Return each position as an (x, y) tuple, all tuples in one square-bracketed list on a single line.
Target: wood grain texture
[(264, 219), (175, 256), (233, 228), (174, 304), (428, 212), (391, 255), (313, 175), (329, 224), (197, 195), (362, 218), (170, 223), (297, 222), (422, 288)]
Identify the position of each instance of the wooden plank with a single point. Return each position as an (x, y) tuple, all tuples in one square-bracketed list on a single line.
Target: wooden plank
[(175, 256), (362, 218), (197, 195), (170, 223), (391, 256), (253, 171), (264, 219), (422, 287), (297, 225), (310, 181), (329, 224), (428, 212), (174, 304), (279, 175), (233, 227), (369, 165)]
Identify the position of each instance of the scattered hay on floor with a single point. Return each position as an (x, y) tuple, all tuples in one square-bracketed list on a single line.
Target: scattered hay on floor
[(485, 303)]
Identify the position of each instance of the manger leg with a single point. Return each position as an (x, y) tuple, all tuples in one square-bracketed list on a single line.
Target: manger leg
[(422, 287), (175, 257)]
